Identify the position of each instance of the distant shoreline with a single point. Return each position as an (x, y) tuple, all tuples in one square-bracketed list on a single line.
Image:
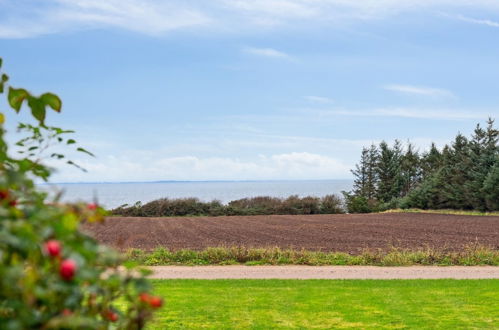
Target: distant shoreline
[(186, 181)]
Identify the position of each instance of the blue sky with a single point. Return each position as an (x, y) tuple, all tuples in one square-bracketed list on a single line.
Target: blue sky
[(263, 89)]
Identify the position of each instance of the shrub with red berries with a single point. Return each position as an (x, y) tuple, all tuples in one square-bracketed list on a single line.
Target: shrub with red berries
[(151, 301), (52, 275), (53, 248)]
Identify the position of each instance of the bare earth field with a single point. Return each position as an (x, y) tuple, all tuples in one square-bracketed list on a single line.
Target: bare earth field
[(339, 232)]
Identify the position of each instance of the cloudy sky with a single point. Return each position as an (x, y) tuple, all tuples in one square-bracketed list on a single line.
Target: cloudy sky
[(256, 89)]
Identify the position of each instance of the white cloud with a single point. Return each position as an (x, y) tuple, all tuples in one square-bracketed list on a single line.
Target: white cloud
[(318, 99), (474, 20), (294, 165), (266, 52), (149, 17), (420, 90), (448, 114), (337, 11), (273, 8), (420, 113), (26, 18)]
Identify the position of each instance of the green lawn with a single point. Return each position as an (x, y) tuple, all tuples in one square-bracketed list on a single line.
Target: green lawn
[(301, 304)]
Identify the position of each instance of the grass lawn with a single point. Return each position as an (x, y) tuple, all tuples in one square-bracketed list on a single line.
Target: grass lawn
[(364, 304)]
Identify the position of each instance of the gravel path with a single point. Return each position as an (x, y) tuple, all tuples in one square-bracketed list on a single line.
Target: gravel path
[(323, 272)]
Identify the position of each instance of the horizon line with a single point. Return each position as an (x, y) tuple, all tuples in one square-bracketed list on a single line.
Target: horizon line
[(187, 181)]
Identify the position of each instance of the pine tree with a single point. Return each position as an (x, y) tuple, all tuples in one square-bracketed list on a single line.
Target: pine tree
[(490, 189), (479, 169), (464, 175), (360, 174), (372, 177), (365, 174), (431, 161), (410, 170), (388, 172), (455, 174)]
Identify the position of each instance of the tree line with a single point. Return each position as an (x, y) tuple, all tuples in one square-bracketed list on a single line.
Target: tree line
[(462, 175)]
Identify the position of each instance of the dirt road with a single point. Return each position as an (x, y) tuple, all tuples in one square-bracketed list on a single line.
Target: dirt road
[(323, 272)]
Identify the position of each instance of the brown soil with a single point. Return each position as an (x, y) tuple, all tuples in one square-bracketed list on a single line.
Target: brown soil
[(340, 232)]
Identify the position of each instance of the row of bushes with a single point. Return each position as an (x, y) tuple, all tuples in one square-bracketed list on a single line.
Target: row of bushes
[(471, 255), (164, 207), (360, 204)]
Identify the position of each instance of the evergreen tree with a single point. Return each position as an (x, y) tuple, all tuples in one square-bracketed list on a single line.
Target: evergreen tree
[(464, 175), (410, 170), (490, 189), (365, 174), (484, 149), (458, 167), (431, 161), (388, 172), (360, 174), (372, 176)]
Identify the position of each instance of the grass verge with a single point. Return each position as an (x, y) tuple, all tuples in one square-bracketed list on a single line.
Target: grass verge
[(326, 304), (470, 256), (453, 212)]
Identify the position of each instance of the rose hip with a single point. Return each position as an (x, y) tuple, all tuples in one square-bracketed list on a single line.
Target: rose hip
[(67, 269)]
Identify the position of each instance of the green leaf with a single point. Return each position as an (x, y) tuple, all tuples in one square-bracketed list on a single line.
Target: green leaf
[(85, 151), (37, 108), (16, 97), (71, 141), (70, 221), (70, 162), (3, 81), (2, 118), (56, 155), (52, 101)]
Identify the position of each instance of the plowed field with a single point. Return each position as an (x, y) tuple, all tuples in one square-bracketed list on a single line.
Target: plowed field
[(343, 232)]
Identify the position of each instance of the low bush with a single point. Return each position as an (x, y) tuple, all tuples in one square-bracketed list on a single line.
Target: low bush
[(263, 205), (359, 204)]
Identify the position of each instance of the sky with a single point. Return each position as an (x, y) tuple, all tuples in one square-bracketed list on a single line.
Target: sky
[(251, 90)]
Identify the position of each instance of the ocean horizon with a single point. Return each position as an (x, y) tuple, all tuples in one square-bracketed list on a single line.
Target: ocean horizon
[(114, 194)]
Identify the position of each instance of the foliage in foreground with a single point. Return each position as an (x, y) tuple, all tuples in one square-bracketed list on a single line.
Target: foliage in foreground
[(464, 175), (329, 304), (470, 256), (330, 204), (52, 276)]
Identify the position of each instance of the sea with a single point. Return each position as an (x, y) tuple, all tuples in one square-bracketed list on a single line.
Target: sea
[(111, 195)]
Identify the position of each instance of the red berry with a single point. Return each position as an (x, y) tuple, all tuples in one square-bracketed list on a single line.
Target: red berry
[(112, 316), (13, 203), (92, 206), (144, 297), (155, 302), (66, 312), (4, 194), (53, 248), (67, 269)]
